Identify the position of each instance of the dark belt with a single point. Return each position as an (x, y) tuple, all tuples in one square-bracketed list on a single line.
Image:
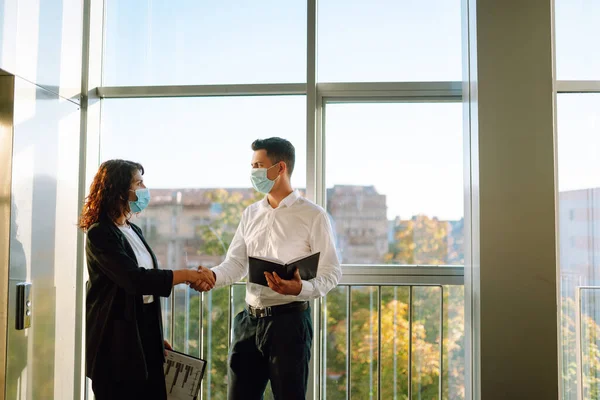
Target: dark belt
[(272, 311)]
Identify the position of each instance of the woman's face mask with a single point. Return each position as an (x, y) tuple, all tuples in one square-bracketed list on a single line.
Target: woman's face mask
[(143, 199)]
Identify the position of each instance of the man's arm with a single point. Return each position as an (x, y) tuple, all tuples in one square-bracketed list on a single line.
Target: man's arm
[(235, 266), (330, 271)]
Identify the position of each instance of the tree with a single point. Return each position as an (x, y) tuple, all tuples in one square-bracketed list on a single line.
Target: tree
[(427, 241), (218, 234)]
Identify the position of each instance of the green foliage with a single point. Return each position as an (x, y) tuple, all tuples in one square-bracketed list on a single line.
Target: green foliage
[(218, 235), (426, 241)]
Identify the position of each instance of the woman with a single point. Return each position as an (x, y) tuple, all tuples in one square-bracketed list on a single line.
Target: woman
[(124, 338)]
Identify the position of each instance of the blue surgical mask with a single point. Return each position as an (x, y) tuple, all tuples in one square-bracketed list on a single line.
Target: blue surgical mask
[(143, 198), (259, 179)]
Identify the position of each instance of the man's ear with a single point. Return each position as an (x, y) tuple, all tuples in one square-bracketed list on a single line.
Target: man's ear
[(283, 167)]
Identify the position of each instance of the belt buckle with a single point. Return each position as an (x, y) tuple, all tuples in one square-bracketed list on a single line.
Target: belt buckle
[(262, 312)]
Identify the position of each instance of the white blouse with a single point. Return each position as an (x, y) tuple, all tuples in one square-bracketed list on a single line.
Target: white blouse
[(144, 259)]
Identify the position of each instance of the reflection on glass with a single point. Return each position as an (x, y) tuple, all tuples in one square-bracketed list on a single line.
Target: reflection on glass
[(579, 226), (389, 40), (395, 194), (203, 42)]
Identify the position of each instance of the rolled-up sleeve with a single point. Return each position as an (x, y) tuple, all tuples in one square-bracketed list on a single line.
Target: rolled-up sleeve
[(329, 272)]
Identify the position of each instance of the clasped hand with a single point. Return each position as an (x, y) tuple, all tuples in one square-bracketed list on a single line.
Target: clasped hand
[(283, 286), (202, 279)]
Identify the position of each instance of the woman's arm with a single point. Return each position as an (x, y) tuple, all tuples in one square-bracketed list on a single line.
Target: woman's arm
[(108, 254)]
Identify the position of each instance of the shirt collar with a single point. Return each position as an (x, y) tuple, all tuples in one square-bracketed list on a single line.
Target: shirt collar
[(288, 201)]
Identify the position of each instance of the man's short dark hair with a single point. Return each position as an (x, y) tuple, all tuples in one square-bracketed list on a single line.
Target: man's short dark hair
[(278, 150)]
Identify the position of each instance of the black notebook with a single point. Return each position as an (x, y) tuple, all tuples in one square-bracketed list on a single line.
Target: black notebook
[(307, 266)]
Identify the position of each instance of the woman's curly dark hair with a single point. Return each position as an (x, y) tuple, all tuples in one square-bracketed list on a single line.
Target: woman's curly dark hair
[(109, 192)]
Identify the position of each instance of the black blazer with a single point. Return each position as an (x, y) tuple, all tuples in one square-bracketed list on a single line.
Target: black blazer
[(114, 303)]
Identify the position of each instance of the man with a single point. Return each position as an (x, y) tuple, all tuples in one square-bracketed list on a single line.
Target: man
[(272, 337)]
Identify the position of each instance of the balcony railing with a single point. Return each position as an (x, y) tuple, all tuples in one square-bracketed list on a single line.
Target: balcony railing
[(587, 341), (386, 332)]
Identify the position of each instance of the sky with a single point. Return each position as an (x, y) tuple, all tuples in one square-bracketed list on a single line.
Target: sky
[(412, 153)]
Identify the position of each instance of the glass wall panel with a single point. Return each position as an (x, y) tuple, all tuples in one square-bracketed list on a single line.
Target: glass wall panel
[(578, 222), (577, 32), (389, 40), (395, 193), (150, 42)]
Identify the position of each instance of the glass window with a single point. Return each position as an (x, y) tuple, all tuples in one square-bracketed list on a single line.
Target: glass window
[(389, 40), (204, 42), (395, 192), (577, 32), (579, 228), (196, 153)]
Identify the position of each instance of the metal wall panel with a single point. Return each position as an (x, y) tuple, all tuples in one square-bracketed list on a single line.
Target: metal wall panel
[(6, 135), (43, 243)]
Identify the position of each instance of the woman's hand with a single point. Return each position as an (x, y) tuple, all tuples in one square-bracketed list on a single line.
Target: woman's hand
[(205, 281), (167, 347)]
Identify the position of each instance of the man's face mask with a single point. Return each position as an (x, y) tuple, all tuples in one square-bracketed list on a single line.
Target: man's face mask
[(259, 179)]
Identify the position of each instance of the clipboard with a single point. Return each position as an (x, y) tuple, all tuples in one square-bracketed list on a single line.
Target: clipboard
[(183, 375)]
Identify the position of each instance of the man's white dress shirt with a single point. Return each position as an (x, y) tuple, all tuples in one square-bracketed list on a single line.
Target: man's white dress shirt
[(296, 228)]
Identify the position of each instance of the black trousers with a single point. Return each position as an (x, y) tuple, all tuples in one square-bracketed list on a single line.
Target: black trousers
[(273, 348), (154, 387)]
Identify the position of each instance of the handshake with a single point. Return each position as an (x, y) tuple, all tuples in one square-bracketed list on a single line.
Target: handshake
[(201, 279)]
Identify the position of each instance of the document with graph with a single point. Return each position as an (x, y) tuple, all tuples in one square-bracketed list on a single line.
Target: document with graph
[(183, 374)]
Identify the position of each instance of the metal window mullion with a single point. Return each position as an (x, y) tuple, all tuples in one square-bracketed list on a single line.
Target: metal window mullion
[(311, 99), (172, 316), (201, 336), (410, 321), (186, 345), (331, 92), (320, 150), (230, 317), (380, 91), (323, 361), (578, 344), (267, 89), (348, 342), (395, 346), (380, 309), (564, 86), (316, 349), (310, 89), (383, 98), (441, 341)]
